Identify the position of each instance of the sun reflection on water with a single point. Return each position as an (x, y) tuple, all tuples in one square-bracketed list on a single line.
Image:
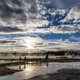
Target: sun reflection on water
[(28, 68), (30, 62)]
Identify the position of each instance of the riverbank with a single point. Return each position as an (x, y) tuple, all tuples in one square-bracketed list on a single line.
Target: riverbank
[(62, 74), (6, 71), (37, 60)]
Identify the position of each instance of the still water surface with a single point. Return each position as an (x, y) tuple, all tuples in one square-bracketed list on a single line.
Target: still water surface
[(31, 70)]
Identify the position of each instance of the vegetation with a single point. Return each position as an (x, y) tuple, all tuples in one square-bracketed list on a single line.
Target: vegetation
[(46, 57), (57, 53), (61, 53)]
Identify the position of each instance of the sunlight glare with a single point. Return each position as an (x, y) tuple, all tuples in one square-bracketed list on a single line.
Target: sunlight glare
[(29, 68), (29, 45)]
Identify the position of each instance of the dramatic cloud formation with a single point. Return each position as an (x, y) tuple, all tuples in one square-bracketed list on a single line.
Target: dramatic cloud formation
[(39, 25)]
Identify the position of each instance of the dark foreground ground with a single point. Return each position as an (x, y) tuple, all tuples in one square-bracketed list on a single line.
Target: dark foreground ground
[(5, 71), (63, 74)]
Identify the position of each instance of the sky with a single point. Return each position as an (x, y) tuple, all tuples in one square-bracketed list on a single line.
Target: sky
[(39, 25)]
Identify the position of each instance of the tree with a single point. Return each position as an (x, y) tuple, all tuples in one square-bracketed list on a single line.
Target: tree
[(46, 57)]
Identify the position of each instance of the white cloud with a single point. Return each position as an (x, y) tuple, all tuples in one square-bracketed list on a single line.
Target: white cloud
[(63, 29), (73, 14), (25, 13), (75, 38), (28, 15), (35, 43)]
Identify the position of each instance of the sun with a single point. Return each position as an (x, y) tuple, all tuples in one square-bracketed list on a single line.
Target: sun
[(29, 45)]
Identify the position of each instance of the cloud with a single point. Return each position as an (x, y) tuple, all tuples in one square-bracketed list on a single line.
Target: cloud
[(60, 4), (33, 8), (39, 44), (10, 29), (57, 48), (30, 13), (4, 42), (14, 13), (8, 43), (10, 15), (36, 43), (24, 17), (75, 38), (64, 29), (60, 29), (16, 2), (73, 15)]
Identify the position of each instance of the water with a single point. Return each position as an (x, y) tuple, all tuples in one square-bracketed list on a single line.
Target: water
[(43, 56), (3, 61), (30, 70)]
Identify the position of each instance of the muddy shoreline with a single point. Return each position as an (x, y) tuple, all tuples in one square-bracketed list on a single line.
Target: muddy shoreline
[(62, 74), (6, 71)]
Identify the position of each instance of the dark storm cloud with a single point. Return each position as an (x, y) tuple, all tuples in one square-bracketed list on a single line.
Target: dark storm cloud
[(9, 29), (54, 48), (4, 42), (39, 44), (65, 29), (9, 14), (60, 4), (17, 2)]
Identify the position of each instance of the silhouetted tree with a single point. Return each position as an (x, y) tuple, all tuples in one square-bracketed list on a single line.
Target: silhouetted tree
[(24, 58), (20, 58), (46, 57)]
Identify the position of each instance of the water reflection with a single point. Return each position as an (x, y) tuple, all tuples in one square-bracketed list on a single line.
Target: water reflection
[(19, 67), (24, 66), (28, 67), (47, 64), (31, 70)]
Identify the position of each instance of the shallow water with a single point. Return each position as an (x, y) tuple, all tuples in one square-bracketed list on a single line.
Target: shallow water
[(5, 57), (38, 69), (3, 61)]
